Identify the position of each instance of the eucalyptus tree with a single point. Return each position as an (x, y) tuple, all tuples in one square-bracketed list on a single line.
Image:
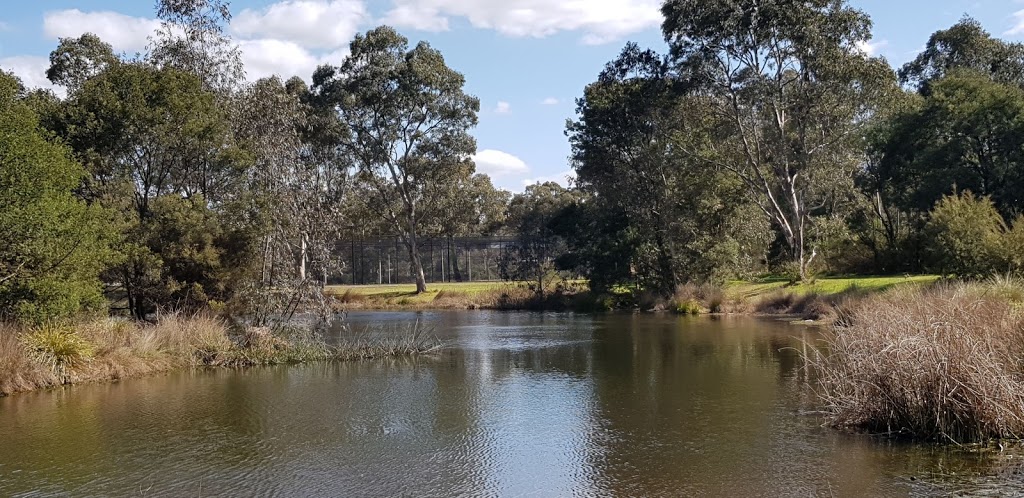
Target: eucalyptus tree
[(679, 213), (965, 45), (76, 60), (791, 92), (297, 188), (193, 38), (405, 121)]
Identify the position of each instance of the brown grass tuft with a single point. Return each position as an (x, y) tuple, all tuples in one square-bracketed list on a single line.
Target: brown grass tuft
[(693, 299), (943, 364), (18, 371)]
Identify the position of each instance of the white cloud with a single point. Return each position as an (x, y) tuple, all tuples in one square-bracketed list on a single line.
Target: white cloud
[(550, 101), (288, 38), (503, 108), (416, 15), (124, 33), (871, 48), (31, 70), (269, 57), (563, 178), (313, 24), (496, 163), (599, 21), (1018, 24)]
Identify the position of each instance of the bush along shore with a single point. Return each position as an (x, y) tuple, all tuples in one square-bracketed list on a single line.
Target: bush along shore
[(108, 349), (940, 363)]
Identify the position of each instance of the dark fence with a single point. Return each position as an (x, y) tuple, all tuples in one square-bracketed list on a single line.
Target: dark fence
[(366, 261)]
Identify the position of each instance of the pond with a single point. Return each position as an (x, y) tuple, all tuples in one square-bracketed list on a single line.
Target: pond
[(522, 404)]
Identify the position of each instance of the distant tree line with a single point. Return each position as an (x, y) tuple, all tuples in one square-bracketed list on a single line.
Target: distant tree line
[(167, 181), (768, 140), (765, 140)]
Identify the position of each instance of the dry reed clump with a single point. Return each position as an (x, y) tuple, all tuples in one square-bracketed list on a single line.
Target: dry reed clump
[(18, 371), (449, 299), (350, 296), (693, 299), (112, 349), (943, 364), (381, 342)]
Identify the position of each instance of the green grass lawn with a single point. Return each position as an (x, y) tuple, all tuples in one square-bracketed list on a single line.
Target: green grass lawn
[(407, 292), (825, 285), (739, 289)]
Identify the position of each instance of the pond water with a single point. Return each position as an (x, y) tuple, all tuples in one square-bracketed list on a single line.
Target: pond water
[(522, 404)]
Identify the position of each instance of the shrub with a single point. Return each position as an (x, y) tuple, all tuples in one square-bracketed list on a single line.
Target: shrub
[(966, 236), (687, 307)]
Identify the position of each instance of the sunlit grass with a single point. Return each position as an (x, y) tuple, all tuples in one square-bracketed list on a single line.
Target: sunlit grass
[(825, 285), (409, 290)]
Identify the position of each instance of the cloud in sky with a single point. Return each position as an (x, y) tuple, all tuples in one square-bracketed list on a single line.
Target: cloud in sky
[(503, 107), (496, 163), (31, 70), (563, 178), (872, 47), (312, 24), (1018, 24), (124, 33), (550, 101), (286, 38), (292, 37), (599, 21)]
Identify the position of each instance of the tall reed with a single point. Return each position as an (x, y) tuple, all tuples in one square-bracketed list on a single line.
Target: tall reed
[(944, 363)]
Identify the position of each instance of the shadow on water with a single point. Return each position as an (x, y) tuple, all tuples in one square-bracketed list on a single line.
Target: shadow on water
[(521, 404)]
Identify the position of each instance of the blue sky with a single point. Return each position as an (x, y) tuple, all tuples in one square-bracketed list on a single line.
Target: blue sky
[(527, 60)]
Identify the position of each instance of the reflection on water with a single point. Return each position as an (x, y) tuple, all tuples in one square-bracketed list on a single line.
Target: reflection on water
[(522, 404)]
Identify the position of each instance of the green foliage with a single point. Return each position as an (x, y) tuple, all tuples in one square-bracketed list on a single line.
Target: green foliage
[(533, 216), (967, 236), (75, 60), (965, 45), (787, 89), (687, 307), (55, 245), (657, 214), (402, 118), (967, 133)]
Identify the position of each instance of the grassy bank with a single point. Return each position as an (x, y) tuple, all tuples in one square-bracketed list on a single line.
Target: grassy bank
[(109, 349), (813, 300), (572, 295), (942, 363)]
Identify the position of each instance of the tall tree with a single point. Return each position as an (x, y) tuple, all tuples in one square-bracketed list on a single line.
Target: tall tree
[(159, 151), (75, 60), (297, 187), (406, 126), (965, 45), (55, 245), (966, 134), (679, 213), (791, 91), (193, 37)]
